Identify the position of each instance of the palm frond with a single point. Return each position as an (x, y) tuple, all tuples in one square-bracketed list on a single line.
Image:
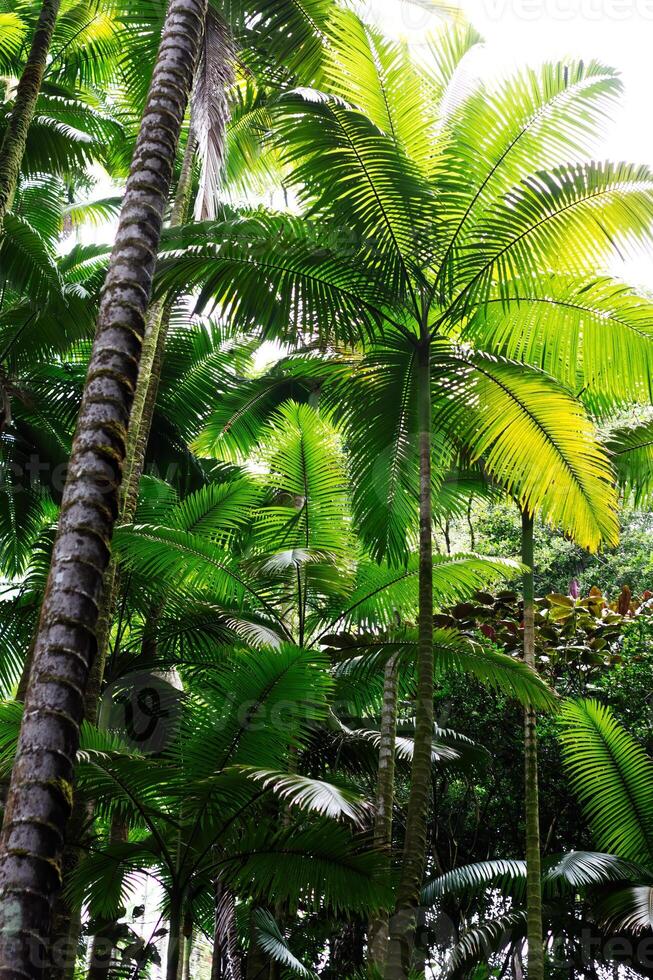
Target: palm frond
[(613, 778), (535, 440), (271, 940), (631, 449)]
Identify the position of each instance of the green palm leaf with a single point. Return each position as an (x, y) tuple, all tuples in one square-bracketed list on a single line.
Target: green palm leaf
[(595, 335), (535, 440), (613, 778), (632, 456), (271, 940)]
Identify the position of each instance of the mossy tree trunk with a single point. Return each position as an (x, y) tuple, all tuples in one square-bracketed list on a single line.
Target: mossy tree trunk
[(40, 794)]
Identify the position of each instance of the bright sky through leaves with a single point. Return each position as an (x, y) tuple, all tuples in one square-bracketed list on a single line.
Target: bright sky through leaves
[(518, 32)]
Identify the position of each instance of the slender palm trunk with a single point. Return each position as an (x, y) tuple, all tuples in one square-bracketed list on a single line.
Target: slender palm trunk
[(188, 952), (402, 926), (40, 794), (29, 86), (377, 940), (533, 855), (175, 937)]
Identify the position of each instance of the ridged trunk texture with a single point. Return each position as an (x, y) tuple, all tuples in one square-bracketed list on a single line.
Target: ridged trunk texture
[(533, 851), (403, 922), (27, 92), (140, 424), (377, 939), (40, 794)]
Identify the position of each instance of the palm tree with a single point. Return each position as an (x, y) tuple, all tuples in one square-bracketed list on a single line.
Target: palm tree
[(64, 644), (419, 250), (531, 789), (15, 137)]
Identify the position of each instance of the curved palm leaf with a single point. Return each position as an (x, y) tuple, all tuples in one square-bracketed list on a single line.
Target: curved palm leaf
[(613, 777)]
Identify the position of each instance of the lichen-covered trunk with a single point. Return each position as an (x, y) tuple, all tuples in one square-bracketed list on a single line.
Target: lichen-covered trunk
[(40, 793), (377, 940), (27, 92), (533, 851), (403, 922)]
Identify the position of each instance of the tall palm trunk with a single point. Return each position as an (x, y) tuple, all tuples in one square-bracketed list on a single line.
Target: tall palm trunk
[(533, 855), (40, 793), (402, 926), (142, 413), (377, 940), (27, 92)]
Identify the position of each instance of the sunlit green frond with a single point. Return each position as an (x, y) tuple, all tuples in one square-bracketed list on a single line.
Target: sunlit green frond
[(305, 471), (163, 556), (499, 135), (369, 185), (251, 163), (381, 78), (377, 407), (534, 439), (12, 33), (216, 509), (86, 45), (582, 212), (380, 590), (94, 213), (244, 691), (234, 428), (292, 33), (595, 335), (26, 263), (512, 677), (613, 778)]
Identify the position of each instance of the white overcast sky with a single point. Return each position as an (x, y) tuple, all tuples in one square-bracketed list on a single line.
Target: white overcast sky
[(617, 32)]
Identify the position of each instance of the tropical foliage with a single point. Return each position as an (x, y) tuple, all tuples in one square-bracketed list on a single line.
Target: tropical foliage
[(273, 465)]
